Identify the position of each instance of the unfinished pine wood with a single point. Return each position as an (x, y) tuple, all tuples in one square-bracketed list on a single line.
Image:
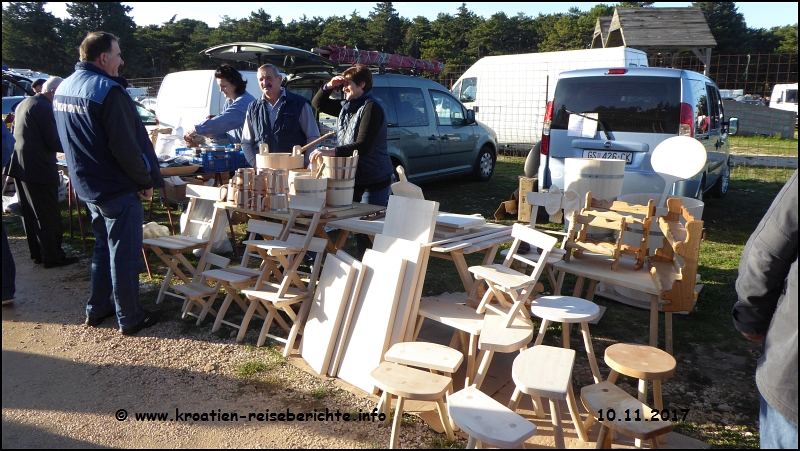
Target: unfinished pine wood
[(413, 254), (457, 221), (488, 421), (405, 189), (640, 361), (325, 316), (432, 356), (605, 396), (368, 337), (410, 219), (347, 316)]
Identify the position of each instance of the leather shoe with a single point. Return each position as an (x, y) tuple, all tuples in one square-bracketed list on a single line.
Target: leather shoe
[(63, 262), (150, 319), (98, 320)]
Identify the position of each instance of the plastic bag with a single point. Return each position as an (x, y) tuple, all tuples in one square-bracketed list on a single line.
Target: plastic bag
[(154, 230), (63, 186), (166, 145)]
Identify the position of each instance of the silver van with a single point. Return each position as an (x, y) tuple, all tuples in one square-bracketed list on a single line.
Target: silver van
[(430, 133), (637, 109)]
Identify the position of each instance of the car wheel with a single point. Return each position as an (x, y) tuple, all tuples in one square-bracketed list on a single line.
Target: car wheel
[(484, 165), (701, 191), (720, 189), (395, 176)]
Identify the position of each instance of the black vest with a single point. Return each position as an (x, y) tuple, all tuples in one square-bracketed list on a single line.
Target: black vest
[(287, 132)]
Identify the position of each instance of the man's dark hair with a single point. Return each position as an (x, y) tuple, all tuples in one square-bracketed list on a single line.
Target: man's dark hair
[(38, 83), (95, 44), (359, 74), (233, 76)]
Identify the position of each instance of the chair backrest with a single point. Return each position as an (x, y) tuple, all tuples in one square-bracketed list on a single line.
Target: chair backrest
[(196, 193), (209, 261), (535, 238), (536, 200), (255, 228)]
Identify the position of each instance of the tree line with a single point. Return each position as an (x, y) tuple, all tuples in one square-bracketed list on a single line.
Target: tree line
[(35, 39)]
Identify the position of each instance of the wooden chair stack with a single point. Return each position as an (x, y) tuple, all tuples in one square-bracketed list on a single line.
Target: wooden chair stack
[(199, 292), (616, 216), (676, 281)]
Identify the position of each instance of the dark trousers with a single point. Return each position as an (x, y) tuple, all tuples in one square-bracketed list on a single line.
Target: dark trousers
[(9, 270), (41, 217)]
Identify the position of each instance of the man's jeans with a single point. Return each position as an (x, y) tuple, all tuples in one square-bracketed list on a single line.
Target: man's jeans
[(9, 270), (379, 197), (775, 430), (117, 227)]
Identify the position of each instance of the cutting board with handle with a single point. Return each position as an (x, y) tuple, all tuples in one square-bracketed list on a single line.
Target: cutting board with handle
[(405, 189)]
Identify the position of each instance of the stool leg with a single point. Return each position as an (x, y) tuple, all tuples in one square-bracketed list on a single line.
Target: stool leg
[(612, 377), (538, 407), (382, 406), (668, 332), (542, 330), (587, 341), (642, 399), (471, 442), (604, 438), (565, 327), (473, 347), (483, 369), (658, 401), (514, 402), (555, 418), (398, 418), (445, 418), (654, 442), (575, 414)]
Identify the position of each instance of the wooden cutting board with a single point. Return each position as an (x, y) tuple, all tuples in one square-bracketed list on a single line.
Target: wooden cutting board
[(456, 221), (405, 189)]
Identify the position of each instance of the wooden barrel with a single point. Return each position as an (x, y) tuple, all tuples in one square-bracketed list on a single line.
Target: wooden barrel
[(340, 168), (279, 161), (602, 177), (340, 192), (309, 186)]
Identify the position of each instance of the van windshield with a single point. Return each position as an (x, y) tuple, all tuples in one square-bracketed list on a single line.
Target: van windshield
[(623, 104)]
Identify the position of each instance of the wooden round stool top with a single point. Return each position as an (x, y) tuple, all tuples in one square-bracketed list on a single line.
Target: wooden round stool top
[(422, 354), (544, 371), (565, 309), (640, 361), (410, 383)]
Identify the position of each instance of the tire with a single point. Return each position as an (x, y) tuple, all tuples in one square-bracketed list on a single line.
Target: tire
[(395, 177), (532, 161), (720, 188), (484, 165), (701, 191)]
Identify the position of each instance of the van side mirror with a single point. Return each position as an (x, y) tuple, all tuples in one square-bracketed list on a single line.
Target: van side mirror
[(470, 117), (732, 126)]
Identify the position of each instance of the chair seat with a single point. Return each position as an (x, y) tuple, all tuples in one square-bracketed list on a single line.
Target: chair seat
[(410, 383), (496, 337), (293, 295), (607, 396), (640, 361), (565, 309), (275, 247), (194, 289), (502, 275), (487, 420), (528, 371), (432, 356), (232, 275), (457, 316)]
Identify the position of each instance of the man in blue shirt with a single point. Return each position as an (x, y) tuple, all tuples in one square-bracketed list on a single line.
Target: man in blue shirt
[(227, 125)]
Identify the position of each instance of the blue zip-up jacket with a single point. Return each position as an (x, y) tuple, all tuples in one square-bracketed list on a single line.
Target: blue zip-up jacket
[(287, 132), (228, 125), (108, 150)]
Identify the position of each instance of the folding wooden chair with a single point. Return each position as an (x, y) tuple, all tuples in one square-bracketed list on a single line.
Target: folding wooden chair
[(199, 292), (503, 281), (171, 249)]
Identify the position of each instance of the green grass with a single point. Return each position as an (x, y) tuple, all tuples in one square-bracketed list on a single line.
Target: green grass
[(763, 145), (251, 368)]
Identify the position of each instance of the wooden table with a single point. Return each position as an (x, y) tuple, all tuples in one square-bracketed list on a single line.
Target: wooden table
[(354, 211), (598, 269), (486, 239)]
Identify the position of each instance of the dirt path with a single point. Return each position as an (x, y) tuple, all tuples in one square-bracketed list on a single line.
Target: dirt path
[(64, 383)]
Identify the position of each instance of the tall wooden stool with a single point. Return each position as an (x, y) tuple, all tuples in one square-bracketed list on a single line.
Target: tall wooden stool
[(568, 310), (605, 397), (645, 363), (496, 337), (488, 421), (414, 384), (546, 372)]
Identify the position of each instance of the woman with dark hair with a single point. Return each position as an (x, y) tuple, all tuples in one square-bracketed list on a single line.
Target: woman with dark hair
[(361, 126), (228, 124)]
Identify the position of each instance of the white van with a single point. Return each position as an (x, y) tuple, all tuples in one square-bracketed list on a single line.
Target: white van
[(784, 97), (509, 93), (188, 98)]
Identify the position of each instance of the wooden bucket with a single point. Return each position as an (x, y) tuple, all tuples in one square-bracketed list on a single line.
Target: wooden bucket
[(279, 161), (293, 173), (339, 168), (309, 186), (602, 177), (340, 192)]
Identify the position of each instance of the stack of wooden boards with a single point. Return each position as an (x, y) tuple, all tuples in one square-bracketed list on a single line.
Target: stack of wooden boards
[(449, 225), (360, 309)]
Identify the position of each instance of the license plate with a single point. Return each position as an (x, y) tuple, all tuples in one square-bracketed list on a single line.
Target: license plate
[(627, 156)]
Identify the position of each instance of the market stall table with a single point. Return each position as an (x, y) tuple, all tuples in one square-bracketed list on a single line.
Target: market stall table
[(598, 269)]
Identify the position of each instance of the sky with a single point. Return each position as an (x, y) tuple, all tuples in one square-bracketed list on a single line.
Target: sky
[(756, 15)]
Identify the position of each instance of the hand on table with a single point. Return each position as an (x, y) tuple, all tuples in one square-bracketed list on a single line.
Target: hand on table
[(189, 136)]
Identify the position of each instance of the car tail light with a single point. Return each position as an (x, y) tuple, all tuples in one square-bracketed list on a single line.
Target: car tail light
[(619, 71), (548, 120), (687, 121)]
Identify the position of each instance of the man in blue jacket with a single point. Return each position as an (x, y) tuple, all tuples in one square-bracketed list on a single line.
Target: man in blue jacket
[(113, 168)]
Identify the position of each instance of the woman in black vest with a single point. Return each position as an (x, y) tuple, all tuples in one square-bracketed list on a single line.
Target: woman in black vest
[(361, 126)]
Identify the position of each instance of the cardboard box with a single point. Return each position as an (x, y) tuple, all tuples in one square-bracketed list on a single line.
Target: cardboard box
[(526, 185), (509, 207)]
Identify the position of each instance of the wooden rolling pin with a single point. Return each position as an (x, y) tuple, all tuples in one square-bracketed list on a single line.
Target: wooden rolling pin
[(314, 143)]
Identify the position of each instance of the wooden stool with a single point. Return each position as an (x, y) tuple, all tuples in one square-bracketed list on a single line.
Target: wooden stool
[(546, 372), (414, 384), (495, 337), (568, 310), (645, 363), (488, 421), (606, 397)]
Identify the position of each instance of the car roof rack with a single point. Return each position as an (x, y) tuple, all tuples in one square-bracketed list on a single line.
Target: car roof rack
[(378, 61)]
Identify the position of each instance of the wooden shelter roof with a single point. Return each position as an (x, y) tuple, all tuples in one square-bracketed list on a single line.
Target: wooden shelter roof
[(652, 30), (601, 32)]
